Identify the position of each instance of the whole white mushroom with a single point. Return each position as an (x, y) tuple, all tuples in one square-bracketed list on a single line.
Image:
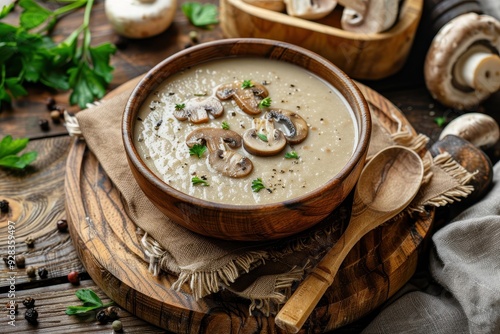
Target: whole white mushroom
[(140, 18)]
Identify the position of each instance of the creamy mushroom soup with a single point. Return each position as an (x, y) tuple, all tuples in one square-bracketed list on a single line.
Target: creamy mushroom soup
[(299, 168)]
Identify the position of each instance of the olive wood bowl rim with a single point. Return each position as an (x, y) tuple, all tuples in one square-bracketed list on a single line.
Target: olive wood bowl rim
[(150, 82)]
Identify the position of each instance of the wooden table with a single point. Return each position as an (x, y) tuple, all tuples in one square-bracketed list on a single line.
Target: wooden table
[(39, 191)]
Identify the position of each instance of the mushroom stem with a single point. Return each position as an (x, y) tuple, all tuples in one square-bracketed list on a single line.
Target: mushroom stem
[(358, 6), (479, 68)]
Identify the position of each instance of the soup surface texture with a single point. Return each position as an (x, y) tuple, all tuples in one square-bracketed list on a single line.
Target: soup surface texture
[(160, 138)]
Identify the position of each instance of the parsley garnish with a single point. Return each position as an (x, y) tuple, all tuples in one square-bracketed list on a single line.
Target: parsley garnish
[(291, 155), (90, 300), (257, 185), (247, 84), (440, 121), (265, 103), (197, 150), (33, 57), (196, 180), (262, 137), (180, 106), (225, 125), (200, 15), (9, 148)]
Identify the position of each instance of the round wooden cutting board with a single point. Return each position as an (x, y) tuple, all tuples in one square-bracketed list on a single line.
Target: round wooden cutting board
[(105, 238)]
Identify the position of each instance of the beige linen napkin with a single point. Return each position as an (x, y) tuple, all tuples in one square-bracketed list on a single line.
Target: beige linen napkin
[(260, 272)]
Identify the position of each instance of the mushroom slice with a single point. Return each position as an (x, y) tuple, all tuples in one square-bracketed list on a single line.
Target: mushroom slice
[(263, 139), (227, 162), (198, 108), (295, 124), (310, 9), (247, 98), (369, 16), (230, 163)]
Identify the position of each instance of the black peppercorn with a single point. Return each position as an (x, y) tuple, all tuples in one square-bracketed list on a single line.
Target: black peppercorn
[(55, 115), (111, 312), (62, 225), (31, 316), (29, 302), (31, 271), (30, 242), (20, 261), (43, 273), (4, 206), (102, 317), (51, 103), (44, 124)]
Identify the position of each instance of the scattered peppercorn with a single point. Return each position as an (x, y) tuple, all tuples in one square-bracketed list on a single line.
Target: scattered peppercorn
[(55, 115), (62, 225), (51, 103), (30, 242), (6, 260), (112, 312), (117, 326), (29, 302), (193, 36), (43, 273), (4, 206), (31, 271), (20, 261), (44, 124), (101, 317), (74, 278), (31, 316)]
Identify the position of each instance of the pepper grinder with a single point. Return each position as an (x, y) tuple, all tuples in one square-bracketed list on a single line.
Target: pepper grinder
[(462, 65)]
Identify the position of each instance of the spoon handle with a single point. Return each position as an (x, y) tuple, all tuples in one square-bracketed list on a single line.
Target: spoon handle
[(297, 309)]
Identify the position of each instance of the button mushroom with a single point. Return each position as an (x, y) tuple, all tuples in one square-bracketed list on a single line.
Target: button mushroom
[(140, 18), (462, 66), (479, 129), (227, 162), (310, 9), (294, 123), (247, 95), (197, 109), (368, 16), (263, 139)]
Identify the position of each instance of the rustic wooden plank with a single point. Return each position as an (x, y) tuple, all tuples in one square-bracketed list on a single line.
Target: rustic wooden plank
[(36, 198), (51, 303)]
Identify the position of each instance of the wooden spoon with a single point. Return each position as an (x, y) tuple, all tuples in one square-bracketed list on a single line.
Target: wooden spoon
[(387, 184)]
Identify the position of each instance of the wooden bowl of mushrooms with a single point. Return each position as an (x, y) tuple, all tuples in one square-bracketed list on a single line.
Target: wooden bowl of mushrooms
[(367, 39), (246, 139)]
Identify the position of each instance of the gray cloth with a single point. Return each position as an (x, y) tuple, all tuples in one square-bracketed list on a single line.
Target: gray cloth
[(463, 293), (491, 7)]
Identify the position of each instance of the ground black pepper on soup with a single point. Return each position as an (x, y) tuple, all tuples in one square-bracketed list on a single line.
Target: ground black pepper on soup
[(295, 130)]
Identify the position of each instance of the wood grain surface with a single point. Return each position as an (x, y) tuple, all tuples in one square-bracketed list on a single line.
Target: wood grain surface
[(105, 239), (361, 56)]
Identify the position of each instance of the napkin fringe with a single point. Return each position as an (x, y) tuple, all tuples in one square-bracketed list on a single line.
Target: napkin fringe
[(282, 291), (72, 125), (203, 283)]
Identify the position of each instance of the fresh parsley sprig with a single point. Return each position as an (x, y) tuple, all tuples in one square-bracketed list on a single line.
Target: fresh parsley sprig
[(9, 148), (200, 15), (291, 155), (90, 300), (195, 180), (257, 185), (33, 57), (265, 102), (197, 150)]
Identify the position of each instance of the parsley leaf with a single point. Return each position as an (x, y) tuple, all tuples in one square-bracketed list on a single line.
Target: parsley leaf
[(225, 125), (180, 106), (197, 150), (262, 137), (440, 121), (291, 155), (200, 15), (257, 185), (247, 84), (265, 102), (6, 9), (196, 180), (9, 148), (90, 300)]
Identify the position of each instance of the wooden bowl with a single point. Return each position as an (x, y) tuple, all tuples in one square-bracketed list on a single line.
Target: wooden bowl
[(361, 56), (248, 222)]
